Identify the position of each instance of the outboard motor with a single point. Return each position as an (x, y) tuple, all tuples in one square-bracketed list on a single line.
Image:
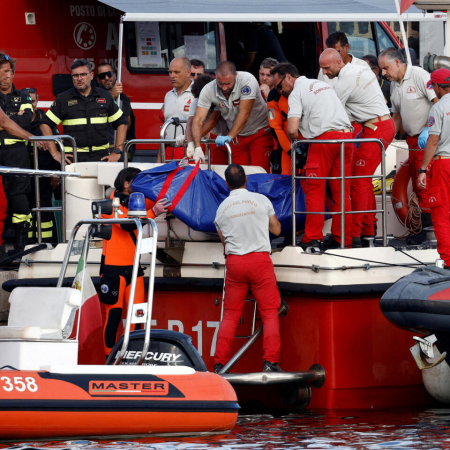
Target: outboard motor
[(420, 302), (167, 348)]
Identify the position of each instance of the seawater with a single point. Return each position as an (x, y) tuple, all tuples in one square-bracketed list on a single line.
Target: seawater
[(344, 430)]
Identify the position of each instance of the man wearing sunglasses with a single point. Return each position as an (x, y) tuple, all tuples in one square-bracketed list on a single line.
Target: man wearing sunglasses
[(13, 151), (106, 78), (85, 112)]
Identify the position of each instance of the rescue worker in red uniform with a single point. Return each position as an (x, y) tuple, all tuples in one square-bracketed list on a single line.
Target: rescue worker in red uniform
[(316, 112), (243, 223), (438, 151), (118, 258)]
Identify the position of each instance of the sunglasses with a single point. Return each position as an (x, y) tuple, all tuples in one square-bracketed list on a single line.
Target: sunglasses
[(103, 75), (30, 90), (279, 85), (4, 56)]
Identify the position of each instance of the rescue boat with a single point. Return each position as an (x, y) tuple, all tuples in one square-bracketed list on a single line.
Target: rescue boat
[(45, 393)]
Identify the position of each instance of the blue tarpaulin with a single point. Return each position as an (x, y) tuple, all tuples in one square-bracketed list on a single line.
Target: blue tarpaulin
[(197, 207)]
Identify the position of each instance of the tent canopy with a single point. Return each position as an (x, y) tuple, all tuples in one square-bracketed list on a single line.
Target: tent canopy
[(265, 11)]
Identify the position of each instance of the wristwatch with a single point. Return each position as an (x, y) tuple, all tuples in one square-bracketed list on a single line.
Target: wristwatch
[(117, 151), (422, 170)]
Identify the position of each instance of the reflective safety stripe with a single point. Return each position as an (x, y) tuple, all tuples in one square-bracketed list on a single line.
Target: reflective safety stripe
[(74, 122), (18, 218), (86, 149), (25, 106), (99, 119), (14, 141), (44, 234), (53, 118), (115, 116), (48, 224)]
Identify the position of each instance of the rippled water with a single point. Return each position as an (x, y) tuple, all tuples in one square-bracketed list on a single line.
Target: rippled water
[(391, 429)]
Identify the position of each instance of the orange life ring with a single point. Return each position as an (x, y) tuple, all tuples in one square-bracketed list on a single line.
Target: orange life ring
[(399, 198)]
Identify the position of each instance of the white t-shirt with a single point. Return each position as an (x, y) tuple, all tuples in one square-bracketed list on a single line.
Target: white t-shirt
[(243, 219), (219, 130), (317, 106), (246, 87), (412, 100), (439, 124), (332, 81), (358, 90), (177, 106)]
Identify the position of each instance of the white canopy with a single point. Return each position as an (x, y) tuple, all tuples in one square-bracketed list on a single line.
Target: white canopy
[(265, 11)]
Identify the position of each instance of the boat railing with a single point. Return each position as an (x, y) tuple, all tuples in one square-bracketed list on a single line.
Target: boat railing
[(342, 179), (143, 245), (207, 142)]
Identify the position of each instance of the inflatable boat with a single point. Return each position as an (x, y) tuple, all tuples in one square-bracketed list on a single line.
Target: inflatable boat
[(45, 393)]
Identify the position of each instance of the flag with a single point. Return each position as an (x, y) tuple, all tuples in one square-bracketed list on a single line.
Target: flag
[(405, 5), (90, 336)]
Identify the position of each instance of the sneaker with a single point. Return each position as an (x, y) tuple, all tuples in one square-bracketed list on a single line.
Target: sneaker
[(312, 246), (218, 367), (271, 367)]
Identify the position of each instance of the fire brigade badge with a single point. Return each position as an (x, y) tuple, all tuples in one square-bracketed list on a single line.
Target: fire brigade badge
[(431, 121), (246, 90)]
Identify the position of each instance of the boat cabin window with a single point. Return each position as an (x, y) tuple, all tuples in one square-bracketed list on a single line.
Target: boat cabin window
[(152, 45)]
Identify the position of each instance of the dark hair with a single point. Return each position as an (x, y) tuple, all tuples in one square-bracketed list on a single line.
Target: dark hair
[(444, 86), (199, 83), (104, 63), (336, 37), (226, 68), (372, 61), (4, 59), (282, 69), (268, 63), (197, 63), (392, 54), (127, 174), (81, 63), (235, 176)]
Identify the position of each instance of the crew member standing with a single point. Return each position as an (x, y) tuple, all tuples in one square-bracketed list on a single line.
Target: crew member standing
[(243, 222), (118, 259), (177, 103), (236, 95), (85, 112), (411, 103), (358, 89), (317, 113), (13, 151), (438, 149)]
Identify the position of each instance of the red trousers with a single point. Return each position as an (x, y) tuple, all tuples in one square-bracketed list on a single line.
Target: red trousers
[(438, 188), (254, 270), (365, 161), (415, 162), (3, 207), (324, 161), (251, 150)]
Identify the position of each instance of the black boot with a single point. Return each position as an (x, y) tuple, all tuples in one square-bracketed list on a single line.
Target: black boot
[(21, 238), (421, 237)]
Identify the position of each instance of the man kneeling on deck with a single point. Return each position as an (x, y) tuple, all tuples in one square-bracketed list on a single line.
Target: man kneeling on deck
[(243, 222)]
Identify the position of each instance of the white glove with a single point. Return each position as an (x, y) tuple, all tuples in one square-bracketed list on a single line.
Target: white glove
[(179, 140), (190, 150), (199, 155)]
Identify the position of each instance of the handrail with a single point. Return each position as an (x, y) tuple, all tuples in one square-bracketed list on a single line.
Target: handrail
[(172, 141), (58, 140), (137, 256), (342, 178)]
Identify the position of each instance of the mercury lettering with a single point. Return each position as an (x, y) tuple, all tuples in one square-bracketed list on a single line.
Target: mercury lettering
[(155, 356)]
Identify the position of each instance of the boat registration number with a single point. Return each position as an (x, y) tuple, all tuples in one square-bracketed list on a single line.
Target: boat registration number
[(19, 384)]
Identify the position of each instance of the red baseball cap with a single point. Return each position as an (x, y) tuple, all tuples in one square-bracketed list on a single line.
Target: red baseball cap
[(440, 76)]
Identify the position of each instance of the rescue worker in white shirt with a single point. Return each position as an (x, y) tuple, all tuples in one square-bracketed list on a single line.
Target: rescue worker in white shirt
[(265, 78), (411, 103), (243, 221), (197, 68), (236, 95), (177, 103), (359, 92), (438, 149), (317, 113)]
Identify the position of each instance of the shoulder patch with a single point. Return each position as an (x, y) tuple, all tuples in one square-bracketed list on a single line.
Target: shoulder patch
[(431, 121), (271, 113), (246, 90), (19, 99), (429, 86), (72, 102)]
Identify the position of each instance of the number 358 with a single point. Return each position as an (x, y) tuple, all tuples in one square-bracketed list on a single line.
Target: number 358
[(19, 384)]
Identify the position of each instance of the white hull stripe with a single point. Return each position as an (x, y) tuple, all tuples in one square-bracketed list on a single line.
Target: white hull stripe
[(134, 105)]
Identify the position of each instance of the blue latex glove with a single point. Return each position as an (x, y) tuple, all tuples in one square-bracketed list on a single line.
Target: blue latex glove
[(423, 138), (357, 144), (222, 140)]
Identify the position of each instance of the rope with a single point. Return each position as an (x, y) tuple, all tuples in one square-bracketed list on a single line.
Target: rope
[(406, 254), (82, 198)]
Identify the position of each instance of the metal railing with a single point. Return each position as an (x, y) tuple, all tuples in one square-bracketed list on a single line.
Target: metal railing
[(342, 179), (58, 140), (207, 143)]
